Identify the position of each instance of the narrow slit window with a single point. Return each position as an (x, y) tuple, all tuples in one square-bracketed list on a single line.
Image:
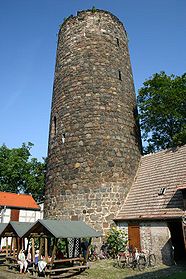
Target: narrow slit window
[(54, 126), (119, 73), (117, 40), (63, 138)]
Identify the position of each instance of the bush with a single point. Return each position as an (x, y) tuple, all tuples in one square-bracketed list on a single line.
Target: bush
[(116, 240)]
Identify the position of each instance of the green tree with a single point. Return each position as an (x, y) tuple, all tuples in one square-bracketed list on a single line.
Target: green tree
[(20, 173), (162, 111)]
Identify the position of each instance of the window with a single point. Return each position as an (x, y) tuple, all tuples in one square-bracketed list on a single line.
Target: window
[(63, 138), (119, 72), (162, 191), (117, 40)]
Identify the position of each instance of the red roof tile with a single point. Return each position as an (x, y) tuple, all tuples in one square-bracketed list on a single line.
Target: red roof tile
[(20, 201)]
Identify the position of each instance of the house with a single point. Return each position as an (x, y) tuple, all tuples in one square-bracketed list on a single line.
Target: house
[(153, 213), (18, 207)]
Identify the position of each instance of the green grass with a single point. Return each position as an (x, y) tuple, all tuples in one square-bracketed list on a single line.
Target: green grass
[(177, 275), (104, 269)]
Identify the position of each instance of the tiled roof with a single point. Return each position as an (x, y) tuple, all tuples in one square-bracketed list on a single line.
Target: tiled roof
[(19, 201), (165, 169)]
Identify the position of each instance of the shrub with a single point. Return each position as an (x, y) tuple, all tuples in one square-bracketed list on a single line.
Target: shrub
[(116, 240)]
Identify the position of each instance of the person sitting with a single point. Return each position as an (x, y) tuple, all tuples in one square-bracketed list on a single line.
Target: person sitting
[(29, 258), (42, 264), (22, 261), (36, 257)]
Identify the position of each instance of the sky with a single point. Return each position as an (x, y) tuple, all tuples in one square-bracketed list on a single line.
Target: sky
[(28, 41)]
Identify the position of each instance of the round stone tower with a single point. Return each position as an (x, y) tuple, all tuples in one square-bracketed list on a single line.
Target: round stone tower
[(94, 140)]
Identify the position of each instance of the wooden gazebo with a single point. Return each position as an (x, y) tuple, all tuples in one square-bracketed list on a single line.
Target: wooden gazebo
[(49, 233), (15, 231)]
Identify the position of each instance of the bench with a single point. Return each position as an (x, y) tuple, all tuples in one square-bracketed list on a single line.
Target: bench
[(11, 263), (59, 266), (14, 266), (78, 267)]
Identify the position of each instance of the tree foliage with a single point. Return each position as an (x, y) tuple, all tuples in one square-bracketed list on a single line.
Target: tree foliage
[(20, 173), (162, 111)]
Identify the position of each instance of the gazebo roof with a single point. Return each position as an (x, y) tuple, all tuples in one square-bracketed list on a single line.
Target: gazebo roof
[(14, 228), (2, 227), (62, 229)]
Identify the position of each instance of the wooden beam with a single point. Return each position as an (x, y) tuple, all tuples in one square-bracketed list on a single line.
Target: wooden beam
[(74, 248), (54, 249), (18, 246), (11, 246), (6, 246), (33, 249), (88, 250), (66, 242), (14, 246), (40, 247), (28, 239), (46, 248)]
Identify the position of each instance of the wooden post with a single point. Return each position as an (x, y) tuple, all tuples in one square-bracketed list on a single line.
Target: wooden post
[(22, 244), (66, 241), (6, 246), (18, 245), (11, 245), (28, 239), (54, 250), (88, 249), (46, 248), (33, 250), (14, 246), (40, 247), (74, 248)]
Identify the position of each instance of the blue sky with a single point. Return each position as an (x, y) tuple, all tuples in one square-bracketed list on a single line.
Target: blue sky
[(28, 29)]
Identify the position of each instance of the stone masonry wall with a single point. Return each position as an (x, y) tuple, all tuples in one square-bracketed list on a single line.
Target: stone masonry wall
[(156, 238), (94, 141)]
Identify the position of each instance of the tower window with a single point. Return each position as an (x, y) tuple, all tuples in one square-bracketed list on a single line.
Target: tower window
[(117, 40), (63, 138), (119, 73), (54, 127)]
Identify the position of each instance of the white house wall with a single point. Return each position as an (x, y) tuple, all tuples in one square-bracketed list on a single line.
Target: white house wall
[(24, 216)]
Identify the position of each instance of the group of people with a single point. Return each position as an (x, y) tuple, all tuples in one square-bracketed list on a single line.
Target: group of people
[(26, 261)]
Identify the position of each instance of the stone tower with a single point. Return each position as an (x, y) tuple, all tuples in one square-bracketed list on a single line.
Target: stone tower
[(94, 141)]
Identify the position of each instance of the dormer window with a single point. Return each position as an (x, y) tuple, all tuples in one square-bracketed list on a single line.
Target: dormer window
[(162, 191)]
